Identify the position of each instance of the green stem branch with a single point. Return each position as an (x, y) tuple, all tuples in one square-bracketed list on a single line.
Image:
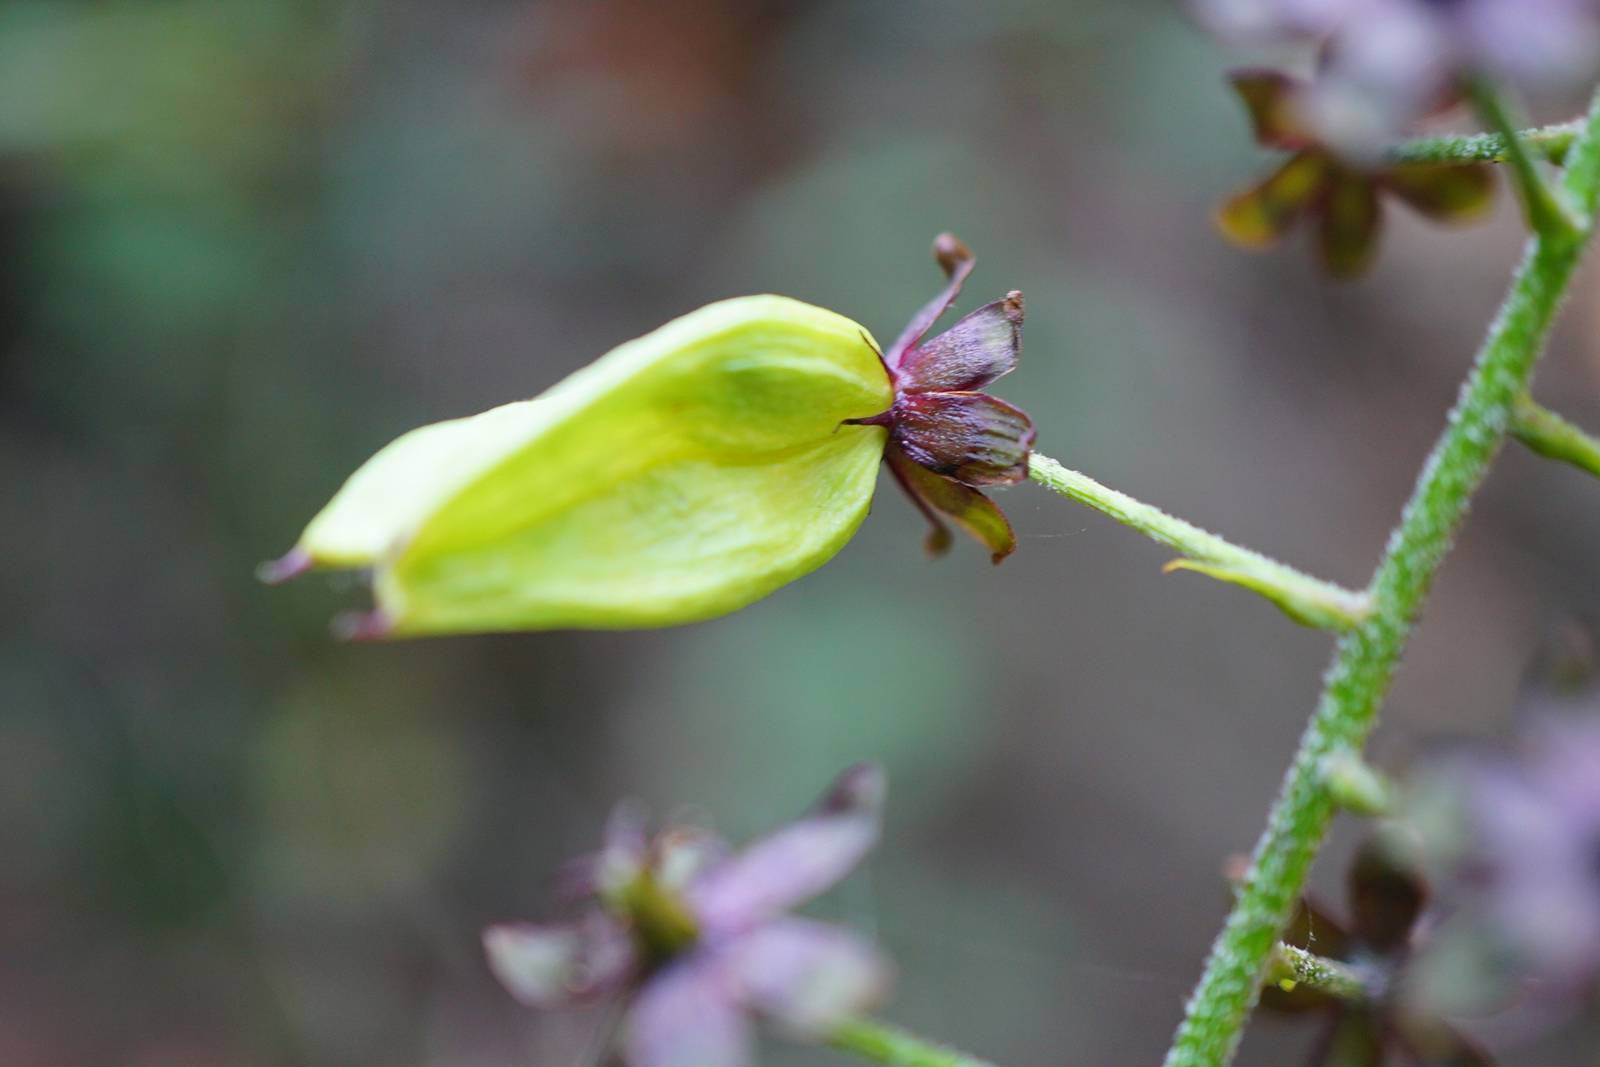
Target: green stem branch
[(882, 1043), (1293, 968), (1305, 599), (1367, 655), (1546, 212), (1553, 437), (1354, 785), (1550, 142)]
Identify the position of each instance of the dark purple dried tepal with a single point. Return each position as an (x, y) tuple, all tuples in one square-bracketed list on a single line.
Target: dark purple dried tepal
[(694, 940), (1342, 197), (947, 438), (1387, 896)]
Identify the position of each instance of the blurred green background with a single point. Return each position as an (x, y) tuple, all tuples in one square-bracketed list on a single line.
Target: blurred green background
[(243, 243)]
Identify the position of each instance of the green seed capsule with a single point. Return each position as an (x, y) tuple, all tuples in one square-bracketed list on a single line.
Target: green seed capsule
[(677, 478)]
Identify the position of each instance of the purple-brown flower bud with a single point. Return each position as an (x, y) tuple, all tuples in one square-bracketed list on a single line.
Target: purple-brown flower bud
[(946, 438)]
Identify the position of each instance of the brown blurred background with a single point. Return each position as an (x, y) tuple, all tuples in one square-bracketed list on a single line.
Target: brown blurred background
[(245, 242)]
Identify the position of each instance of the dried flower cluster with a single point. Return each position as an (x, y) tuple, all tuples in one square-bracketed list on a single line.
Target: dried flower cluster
[(1342, 198), (947, 439), (1387, 928), (1381, 67)]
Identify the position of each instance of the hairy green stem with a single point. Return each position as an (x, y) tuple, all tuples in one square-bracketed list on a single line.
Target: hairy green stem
[(1551, 142), (1367, 655), (1294, 968), (1542, 204), (882, 1043), (1553, 437), (1306, 599)]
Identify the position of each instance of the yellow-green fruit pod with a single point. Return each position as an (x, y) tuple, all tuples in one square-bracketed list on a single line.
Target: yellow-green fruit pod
[(679, 477)]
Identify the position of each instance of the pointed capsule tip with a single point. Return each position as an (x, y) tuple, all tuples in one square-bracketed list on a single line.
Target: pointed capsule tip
[(361, 626), (291, 564), (860, 787)]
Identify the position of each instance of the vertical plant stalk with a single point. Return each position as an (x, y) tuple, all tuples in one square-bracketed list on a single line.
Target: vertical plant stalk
[(1367, 655)]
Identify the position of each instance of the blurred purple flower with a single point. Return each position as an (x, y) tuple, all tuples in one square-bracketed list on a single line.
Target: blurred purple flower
[(1517, 843), (1387, 63), (1257, 21), (1387, 897), (696, 940), (947, 438), (1398, 59)]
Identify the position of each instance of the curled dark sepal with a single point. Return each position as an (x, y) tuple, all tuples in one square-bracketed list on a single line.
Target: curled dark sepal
[(974, 438), (1354, 1039), (979, 348), (945, 437), (1259, 216), (957, 261), (939, 496), (938, 541), (1268, 96), (1314, 929), (1435, 1044), (1351, 219), (1387, 895), (1458, 193)]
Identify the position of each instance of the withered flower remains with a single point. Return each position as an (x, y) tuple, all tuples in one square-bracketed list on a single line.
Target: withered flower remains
[(1387, 897), (947, 439), (1342, 196)]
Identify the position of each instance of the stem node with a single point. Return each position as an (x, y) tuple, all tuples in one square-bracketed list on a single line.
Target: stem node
[(1354, 784), (1548, 210)]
